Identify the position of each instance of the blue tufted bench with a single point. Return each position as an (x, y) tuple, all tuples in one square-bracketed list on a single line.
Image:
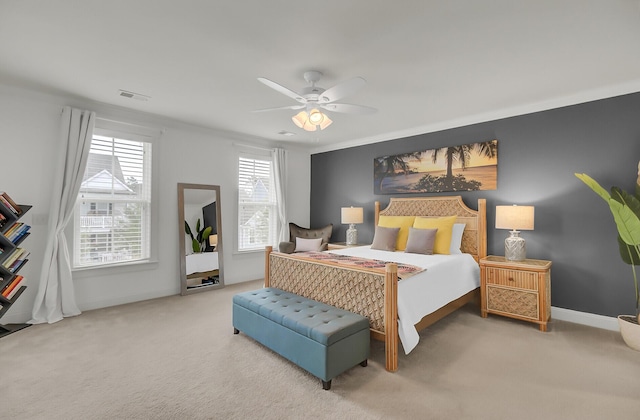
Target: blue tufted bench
[(320, 338)]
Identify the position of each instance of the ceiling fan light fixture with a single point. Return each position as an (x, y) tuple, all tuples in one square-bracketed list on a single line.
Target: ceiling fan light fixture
[(316, 117), (301, 120), (311, 121), (313, 99), (326, 122)]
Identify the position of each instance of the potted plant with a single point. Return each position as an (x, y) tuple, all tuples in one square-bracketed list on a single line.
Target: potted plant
[(199, 241), (625, 209)]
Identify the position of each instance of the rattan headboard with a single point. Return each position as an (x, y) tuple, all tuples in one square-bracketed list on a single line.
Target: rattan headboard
[(474, 238)]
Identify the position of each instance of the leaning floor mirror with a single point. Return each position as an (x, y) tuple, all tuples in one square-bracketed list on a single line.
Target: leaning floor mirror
[(200, 238)]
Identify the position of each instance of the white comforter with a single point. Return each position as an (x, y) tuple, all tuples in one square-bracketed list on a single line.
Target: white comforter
[(447, 277), (202, 262)]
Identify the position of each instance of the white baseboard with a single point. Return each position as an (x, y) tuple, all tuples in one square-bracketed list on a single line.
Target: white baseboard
[(21, 317), (561, 314), (585, 318), (106, 303)]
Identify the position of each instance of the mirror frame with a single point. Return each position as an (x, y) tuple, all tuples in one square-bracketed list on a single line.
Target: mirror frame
[(184, 290)]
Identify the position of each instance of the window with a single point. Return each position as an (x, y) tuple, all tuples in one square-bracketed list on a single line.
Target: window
[(257, 207), (112, 221)]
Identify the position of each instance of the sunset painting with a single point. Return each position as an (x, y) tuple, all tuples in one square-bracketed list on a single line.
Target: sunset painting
[(469, 167)]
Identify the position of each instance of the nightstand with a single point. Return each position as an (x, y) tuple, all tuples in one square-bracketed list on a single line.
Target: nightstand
[(517, 289), (340, 245)]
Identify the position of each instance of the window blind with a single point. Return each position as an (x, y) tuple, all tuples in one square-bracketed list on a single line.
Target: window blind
[(257, 211), (112, 217)]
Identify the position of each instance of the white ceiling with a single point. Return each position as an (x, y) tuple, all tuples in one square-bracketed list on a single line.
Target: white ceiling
[(428, 64)]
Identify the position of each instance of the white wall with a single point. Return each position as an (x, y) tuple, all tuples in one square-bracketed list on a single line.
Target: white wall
[(29, 131)]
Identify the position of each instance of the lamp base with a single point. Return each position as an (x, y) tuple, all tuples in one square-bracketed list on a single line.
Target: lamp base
[(352, 235), (514, 247)]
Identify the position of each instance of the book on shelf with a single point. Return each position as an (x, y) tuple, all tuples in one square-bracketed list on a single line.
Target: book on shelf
[(3, 220), (17, 232), (25, 229), (9, 203), (12, 257), (13, 287), (6, 205), (19, 262), (9, 207), (15, 227), (14, 291), (10, 286), (18, 265)]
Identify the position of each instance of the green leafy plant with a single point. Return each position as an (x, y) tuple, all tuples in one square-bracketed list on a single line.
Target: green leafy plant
[(199, 241), (429, 183), (625, 209)]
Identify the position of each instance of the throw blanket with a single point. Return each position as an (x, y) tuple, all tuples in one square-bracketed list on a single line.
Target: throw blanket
[(404, 270)]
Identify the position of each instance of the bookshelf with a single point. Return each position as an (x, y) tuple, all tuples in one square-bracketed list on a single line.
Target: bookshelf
[(12, 257)]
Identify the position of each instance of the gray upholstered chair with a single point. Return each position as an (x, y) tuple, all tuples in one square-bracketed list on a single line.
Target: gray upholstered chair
[(296, 231)]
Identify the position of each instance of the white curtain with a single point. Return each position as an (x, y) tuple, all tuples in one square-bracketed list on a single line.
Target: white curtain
[(56, 296), (280, 176)]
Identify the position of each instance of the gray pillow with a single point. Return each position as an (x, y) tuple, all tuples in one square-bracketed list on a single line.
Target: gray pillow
[(421, 241), (385, 238)]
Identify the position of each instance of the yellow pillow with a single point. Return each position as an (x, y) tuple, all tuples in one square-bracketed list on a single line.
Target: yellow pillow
[(403, 222), (443, 236)]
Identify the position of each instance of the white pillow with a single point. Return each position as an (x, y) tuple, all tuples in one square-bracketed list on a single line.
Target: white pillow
[(304, 245), (456, 238)]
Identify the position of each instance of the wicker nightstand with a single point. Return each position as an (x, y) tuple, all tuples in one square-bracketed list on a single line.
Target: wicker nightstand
[(517, 289)]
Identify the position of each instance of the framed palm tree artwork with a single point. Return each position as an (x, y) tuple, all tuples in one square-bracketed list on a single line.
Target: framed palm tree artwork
[(468, 167)]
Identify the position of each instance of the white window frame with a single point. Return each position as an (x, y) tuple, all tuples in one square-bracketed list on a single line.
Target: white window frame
[(240, 245), (126, 131)]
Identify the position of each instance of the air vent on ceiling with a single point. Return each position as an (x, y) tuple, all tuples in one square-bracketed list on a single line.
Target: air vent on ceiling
[(133, 95), (286, 133)]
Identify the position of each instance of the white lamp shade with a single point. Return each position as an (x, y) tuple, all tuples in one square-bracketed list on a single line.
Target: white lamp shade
[(312, 120), (352, 215), (514, 217), (213, 240)]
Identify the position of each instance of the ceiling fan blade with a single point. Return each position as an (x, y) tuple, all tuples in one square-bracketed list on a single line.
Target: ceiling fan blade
[(349, 108), (279, 108), (341, 90), (285, 91)]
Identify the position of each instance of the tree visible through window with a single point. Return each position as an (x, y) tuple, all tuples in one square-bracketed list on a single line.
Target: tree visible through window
[(112, 215), (257, 211)]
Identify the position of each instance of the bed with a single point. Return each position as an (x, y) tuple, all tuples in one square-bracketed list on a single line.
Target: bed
[(202, 265), (374, 292)]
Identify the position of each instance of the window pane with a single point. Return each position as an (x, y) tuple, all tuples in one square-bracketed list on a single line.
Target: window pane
[(112, 222), (256, 204)]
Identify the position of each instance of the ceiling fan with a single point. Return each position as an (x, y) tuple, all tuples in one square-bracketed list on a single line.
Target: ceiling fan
[(312, 99)]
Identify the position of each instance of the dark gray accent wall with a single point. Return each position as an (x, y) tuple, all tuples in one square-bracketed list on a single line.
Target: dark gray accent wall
[(538, 155)]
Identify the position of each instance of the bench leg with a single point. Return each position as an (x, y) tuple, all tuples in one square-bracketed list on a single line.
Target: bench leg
[(236, 331), (326, 385), (363, 363)]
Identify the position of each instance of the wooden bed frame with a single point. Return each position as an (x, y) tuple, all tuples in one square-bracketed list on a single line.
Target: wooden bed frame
[(372, 293)]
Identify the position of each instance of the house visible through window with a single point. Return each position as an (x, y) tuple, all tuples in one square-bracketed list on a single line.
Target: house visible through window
[(257, 209), (112, 216)]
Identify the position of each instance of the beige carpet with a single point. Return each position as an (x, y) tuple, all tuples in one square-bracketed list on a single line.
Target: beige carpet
[(177, 358)]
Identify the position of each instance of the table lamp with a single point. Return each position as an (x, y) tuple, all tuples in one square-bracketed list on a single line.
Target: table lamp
[(213, 240), (515, 218), (352, 215)]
